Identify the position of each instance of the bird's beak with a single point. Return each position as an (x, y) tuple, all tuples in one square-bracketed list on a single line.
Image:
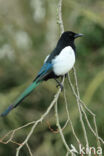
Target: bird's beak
[(78, 35)]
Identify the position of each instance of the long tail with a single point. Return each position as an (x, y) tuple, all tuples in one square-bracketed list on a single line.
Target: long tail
[(21, 97)]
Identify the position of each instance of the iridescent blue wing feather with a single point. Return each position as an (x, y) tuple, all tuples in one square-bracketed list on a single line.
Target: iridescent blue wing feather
[(44, 71)]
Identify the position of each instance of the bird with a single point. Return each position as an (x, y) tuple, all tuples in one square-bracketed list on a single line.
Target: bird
[(57, 64)]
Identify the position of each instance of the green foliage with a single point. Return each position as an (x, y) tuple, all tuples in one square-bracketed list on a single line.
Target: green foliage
[(93, 86)]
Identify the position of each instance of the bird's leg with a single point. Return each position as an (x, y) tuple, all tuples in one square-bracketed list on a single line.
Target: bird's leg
[(59, 84), (66, 75)]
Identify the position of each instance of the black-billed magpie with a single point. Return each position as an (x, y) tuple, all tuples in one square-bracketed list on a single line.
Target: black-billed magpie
[(57, 64)]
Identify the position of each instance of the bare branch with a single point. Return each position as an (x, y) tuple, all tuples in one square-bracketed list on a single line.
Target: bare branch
[(84, 105), (39, 121), (60, 21), (28, 147), (69, 119), (60, 130)]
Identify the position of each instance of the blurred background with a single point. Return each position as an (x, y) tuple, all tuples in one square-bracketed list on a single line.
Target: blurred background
[(28, 32)]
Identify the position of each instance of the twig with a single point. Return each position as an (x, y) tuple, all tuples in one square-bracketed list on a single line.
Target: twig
[(56, 131), (84, 105), (69, 119), (28, 147), (60, 130), (80, 111), (38, 121), (60, 21)]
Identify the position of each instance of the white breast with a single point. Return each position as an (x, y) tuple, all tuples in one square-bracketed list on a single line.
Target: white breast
[(64, 61)]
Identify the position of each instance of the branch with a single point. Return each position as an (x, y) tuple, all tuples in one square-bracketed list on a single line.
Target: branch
[(38, 121), (60, 130), (84, 106), (69, 119), (60, 21)]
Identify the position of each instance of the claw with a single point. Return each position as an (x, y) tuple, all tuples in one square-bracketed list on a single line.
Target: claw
[(61, 86)]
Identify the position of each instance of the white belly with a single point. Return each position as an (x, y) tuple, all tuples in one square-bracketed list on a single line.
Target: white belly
[(64, 62)]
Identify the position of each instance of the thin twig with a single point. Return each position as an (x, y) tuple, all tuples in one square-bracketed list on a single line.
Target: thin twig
[(38, 121), (71, 124), (56, 131), (60, 21), (84, 105), (60, 130), (80, 111), (28, 147)]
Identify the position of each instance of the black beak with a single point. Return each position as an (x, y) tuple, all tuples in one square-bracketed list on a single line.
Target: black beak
[(78, 35)]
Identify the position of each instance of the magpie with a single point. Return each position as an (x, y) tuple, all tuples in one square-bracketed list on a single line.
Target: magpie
[(57, 64)]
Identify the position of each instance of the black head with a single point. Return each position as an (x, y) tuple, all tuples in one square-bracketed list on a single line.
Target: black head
[(67, 38), (71, 36)]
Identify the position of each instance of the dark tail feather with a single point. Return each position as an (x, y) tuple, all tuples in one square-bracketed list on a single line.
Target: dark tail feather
[(21, 97)]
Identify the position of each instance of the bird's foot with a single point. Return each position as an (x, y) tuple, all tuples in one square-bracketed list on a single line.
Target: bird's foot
[(60, 85)]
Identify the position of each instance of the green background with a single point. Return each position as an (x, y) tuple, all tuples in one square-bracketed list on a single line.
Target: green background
[(28, 32)]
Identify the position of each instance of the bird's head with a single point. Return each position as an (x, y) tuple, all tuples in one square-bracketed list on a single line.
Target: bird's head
[(67, 39), (71, 36)]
